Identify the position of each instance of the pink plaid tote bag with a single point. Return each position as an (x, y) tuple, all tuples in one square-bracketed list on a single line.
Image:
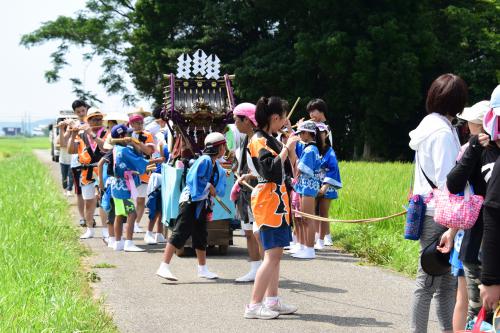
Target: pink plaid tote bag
[(456, 211)]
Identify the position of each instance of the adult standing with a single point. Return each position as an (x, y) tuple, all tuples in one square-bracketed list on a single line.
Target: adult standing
[(490, 275), (80, 108), (88, 144), (64, 157), (469, 169), (436, 144)]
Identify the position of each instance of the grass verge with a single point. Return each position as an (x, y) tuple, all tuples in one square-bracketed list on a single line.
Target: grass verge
[(375, 190), (42, 284)]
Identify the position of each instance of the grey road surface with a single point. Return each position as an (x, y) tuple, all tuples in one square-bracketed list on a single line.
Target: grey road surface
[(334, 293)]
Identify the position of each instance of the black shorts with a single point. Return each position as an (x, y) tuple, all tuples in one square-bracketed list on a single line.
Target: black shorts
[(243, 208), (187, 225), (76, 172)]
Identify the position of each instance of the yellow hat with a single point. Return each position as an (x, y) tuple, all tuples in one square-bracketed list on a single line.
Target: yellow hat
[(140, 110), (93, 112)]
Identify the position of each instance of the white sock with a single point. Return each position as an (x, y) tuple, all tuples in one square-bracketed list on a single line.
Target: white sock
[(271, 300), (255, 265), (321, 242), (149, 233), (111, 239), (202, 268), (316, 236), (254, 306), (294, 238)]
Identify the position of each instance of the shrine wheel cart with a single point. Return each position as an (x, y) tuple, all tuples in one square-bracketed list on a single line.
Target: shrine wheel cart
[(197, 101)]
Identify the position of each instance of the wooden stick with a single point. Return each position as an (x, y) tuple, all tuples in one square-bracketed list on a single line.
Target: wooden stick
[(222, 204), (123, 140), (293, 108)]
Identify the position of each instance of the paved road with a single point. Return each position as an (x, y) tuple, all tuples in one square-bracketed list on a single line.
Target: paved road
[(334, 292)]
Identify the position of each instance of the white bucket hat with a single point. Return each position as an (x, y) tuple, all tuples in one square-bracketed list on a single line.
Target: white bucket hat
[(475, 113)]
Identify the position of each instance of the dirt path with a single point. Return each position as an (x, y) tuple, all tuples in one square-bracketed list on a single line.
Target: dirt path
[(334, 292)]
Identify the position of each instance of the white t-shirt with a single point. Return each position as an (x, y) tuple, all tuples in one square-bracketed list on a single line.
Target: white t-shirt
[(64, 156)]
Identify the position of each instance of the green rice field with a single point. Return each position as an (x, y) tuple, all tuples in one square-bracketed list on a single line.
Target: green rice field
[(375, 190), (43, 285)]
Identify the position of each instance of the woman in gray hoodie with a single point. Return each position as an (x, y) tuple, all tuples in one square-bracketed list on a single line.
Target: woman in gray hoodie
[(436, 146)]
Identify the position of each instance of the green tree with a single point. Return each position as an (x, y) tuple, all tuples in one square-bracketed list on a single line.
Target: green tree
[(371, 61)]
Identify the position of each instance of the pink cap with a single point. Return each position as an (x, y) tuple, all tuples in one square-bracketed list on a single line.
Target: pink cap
[(135, 117), (490, 124), (247, 110)]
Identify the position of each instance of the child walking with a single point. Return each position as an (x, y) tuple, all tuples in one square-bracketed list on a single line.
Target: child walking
[(205, 180), (270, 206), (128, 164)]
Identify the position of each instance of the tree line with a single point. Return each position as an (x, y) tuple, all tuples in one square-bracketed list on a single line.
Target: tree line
[(371, 61)]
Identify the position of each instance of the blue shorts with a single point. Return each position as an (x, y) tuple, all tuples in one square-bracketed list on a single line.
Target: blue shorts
[(275, 237)]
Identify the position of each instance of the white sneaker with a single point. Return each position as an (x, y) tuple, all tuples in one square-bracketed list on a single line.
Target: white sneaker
[(118, 246), (298, 247), (111, 242), (69, 193), (319, 245), (250, 276), (138, 229), (105, 232), (164, 272), (130, 247), (306, 253), (259, 312), (281, 308), (159, 238), (89, 233), (149, 239), (203, 272), (328, 240)]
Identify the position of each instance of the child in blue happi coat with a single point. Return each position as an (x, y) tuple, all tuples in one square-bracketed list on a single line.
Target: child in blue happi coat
[(330, 183), (128, 165), (205, 180), (154, 196), (308, 182)]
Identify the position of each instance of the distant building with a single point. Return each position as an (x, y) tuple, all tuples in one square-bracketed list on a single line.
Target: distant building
[(11, 131)]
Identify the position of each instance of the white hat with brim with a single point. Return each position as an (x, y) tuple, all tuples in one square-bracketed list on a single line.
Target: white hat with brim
[(141, 111), (475, 113), (307, 126), (93, 112), (119, 117)]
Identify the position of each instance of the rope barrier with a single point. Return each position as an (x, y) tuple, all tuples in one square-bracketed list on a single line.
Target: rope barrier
[(325, 219), (368, 220)]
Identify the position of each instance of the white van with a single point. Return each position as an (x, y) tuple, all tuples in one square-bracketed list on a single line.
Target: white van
[(54, 132)]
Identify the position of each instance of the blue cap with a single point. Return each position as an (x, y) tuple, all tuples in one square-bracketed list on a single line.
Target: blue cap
[(118, 130)]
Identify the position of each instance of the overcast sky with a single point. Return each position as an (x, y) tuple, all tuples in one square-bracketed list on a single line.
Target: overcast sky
[(23, 89)]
